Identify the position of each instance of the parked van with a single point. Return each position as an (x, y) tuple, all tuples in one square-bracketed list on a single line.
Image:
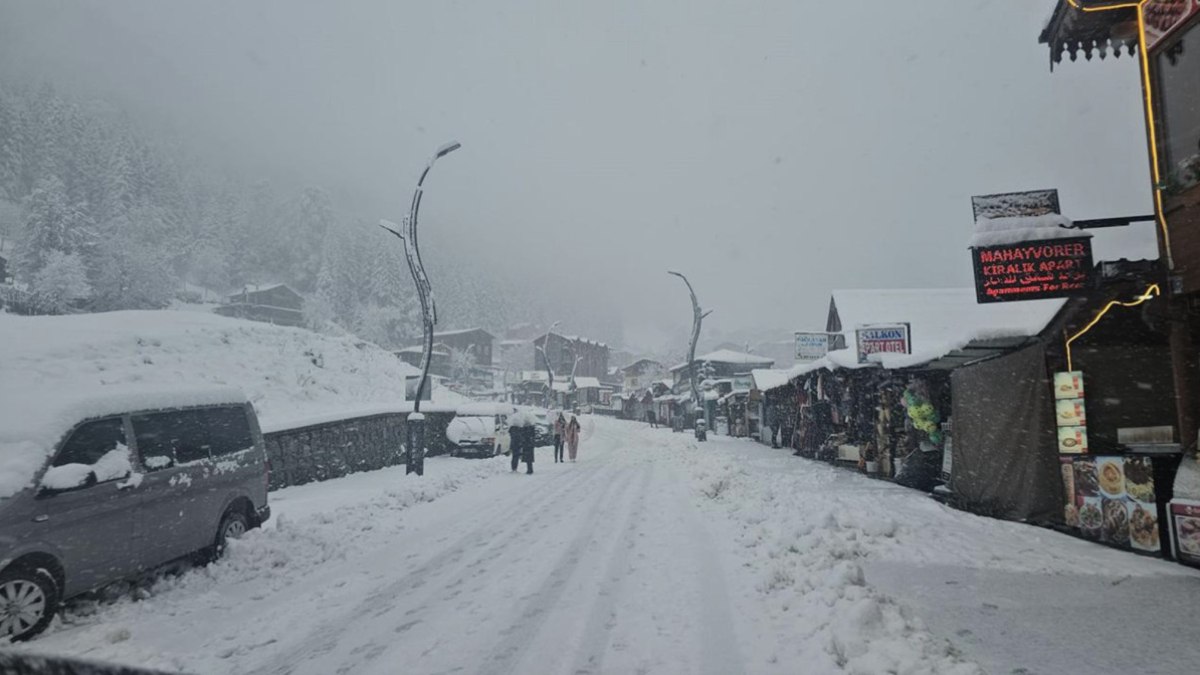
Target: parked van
[(96, 489)]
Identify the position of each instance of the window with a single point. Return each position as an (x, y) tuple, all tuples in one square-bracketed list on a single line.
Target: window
[(187, 436), (91, 441), (1179, 109), (229, 430)]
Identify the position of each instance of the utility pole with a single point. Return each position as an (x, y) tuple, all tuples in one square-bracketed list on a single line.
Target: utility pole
[(415, 424)]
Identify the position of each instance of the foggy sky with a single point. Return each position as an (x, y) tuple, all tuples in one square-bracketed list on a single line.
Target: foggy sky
[(772, 150)]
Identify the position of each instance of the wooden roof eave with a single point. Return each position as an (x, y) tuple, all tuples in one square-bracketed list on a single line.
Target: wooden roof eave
[(1072, 31)]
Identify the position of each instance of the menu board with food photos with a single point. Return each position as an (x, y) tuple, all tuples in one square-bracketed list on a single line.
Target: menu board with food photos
[(1070, 413), (1113, 501), (1185, 517)]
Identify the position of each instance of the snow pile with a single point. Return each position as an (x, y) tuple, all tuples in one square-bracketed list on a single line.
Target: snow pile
[(112, 465), (286, 372), (314, 526), (1016, 229), (808, 530)]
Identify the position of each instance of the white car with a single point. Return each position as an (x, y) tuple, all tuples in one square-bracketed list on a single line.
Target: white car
[(480, 430)]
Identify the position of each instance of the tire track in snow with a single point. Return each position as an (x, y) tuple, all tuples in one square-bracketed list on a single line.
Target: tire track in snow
[(500, 525), (597, 635), (508, 655)]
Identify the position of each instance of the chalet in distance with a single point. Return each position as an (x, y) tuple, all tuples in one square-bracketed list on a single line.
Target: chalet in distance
[(270, 303)]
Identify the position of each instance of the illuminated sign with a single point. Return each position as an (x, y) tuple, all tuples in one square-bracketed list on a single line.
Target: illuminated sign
[(812, 346), (1031, 270), (892, 338), (1164, 17)]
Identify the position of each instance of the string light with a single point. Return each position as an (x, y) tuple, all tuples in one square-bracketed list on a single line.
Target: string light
[(1148, 93), (1152, 291)]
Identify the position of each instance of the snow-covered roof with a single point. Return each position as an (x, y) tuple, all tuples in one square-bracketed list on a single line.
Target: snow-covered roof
[(639, 362), (941, 319), (33, 422), (420, 349), (587, 382), (731, 357), (769, 379), (460, 331), (258, 288)]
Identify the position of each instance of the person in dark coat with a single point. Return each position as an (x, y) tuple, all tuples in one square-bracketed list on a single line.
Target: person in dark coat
[(521, 434), (560, 428), (527, 450)]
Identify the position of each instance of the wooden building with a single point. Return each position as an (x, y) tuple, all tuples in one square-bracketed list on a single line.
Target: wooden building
[(269, 303)]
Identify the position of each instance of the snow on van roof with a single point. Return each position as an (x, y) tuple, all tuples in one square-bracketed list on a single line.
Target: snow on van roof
[(34, 419)]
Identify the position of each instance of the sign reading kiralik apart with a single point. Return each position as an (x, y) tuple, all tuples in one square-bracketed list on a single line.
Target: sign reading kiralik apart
[(889, 338), (1024, 249)]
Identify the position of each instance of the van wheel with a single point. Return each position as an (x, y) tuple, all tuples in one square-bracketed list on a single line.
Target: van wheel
[(233, 526), (28, 601)]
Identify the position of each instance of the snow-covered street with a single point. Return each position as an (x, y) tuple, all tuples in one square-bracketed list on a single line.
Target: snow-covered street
[(652, 554)]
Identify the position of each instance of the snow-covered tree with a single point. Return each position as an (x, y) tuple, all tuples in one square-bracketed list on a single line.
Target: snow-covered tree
[(462, 361), (61, 282), (52, 223)]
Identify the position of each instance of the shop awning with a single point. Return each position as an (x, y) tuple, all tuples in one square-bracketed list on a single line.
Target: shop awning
[(1072, 30), (975, 352)]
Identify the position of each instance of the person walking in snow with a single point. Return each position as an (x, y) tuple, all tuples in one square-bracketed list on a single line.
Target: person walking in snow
[(521, 435), (573, 437), (560, 429)]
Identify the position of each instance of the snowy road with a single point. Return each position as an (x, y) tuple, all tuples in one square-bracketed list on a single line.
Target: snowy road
[(652, 554)]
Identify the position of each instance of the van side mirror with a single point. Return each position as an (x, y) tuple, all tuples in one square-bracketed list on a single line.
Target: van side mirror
[(65, 479)]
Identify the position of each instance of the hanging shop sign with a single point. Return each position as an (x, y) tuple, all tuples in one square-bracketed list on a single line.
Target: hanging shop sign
[(891, 338), (1068, 384), (1032, 270), (1070, 413), (1164, 17), (812, 346)]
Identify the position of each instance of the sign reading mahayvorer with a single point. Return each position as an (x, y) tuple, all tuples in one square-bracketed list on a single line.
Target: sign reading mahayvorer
[(890, 338)]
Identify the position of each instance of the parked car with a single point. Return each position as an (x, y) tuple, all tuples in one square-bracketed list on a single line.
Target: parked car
[(97, 489), (478, 435)]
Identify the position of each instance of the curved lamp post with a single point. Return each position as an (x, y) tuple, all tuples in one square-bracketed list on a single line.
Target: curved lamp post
[(546, 359), (416, 421), (697, 318)]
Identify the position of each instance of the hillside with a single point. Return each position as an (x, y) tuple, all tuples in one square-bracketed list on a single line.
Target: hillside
[(289, 374)]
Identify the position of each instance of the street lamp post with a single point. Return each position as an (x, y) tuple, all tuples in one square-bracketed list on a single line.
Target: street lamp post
[(697, 318), (546, 360), (415, 460)]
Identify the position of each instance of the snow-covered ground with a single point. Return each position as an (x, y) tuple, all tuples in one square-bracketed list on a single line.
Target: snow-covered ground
[(290, 374), (652, 554)]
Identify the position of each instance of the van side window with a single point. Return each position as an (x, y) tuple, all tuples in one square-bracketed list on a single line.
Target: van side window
[(169, 438), (91, 441), (229, 430), (184, 436)]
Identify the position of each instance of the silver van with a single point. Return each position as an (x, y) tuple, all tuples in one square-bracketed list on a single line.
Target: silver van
[(124, 492)]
